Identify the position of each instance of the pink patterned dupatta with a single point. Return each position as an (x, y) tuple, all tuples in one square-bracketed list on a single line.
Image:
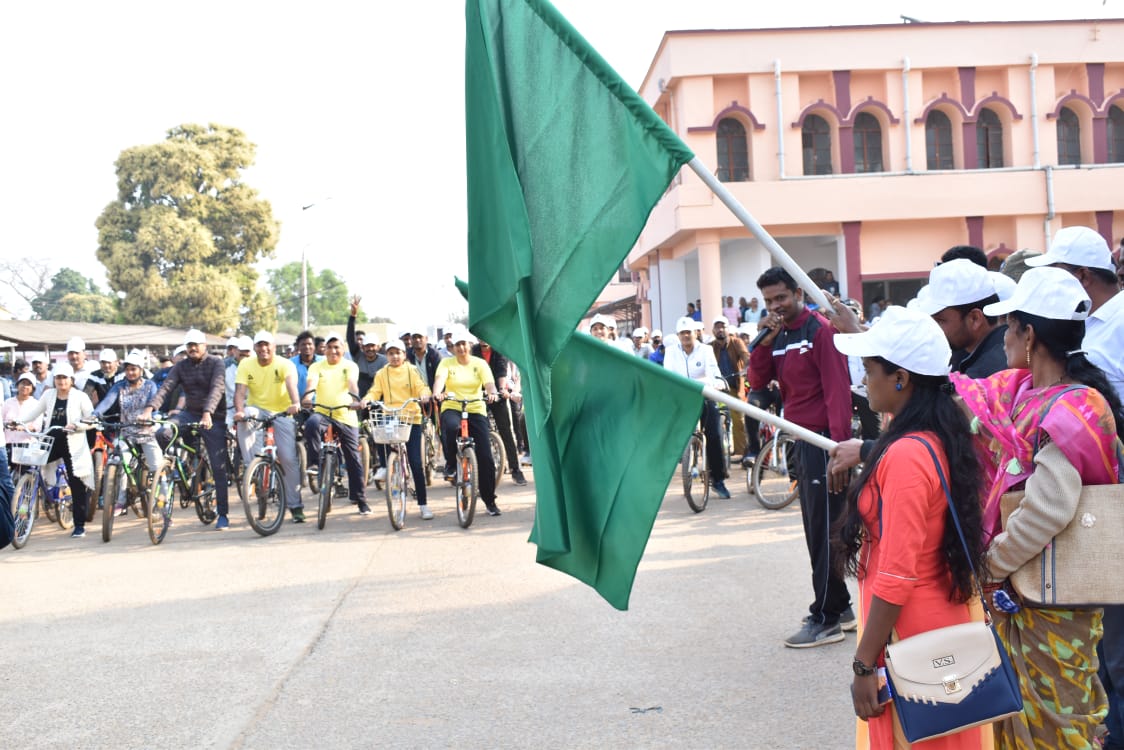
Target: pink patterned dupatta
[(1006, 418)]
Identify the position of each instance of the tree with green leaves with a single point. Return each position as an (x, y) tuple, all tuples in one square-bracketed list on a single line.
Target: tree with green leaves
[(327, 295), (72, 296), (182, 238)]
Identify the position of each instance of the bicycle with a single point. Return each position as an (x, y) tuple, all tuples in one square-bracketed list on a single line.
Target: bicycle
[(262, 486), (100, 456), (186, 469), (31, 489), (329, 463), (499, 458), (772, 480), (390, 427), (123, 472), (694, 471), (465, 479), (430, 444)]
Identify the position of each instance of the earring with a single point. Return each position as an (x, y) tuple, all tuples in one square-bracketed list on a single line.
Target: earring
[(1028, 356), (897, 386)]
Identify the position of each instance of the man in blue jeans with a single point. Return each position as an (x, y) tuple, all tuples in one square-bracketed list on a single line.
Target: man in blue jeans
[(203, 380), (7, 525)]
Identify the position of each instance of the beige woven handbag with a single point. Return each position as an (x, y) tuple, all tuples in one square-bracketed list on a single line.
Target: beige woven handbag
[(1081, 566)]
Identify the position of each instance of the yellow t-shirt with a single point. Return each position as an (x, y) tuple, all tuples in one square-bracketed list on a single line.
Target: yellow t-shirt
[(465, 382), (396, 385), (265, 386), (331, 385)]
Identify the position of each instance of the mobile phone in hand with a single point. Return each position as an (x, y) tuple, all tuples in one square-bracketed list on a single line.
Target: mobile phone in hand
[(884, 695)]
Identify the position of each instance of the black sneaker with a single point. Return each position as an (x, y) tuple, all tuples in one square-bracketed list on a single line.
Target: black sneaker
[(364, 509), (518, 478), (298, 514), (80, 533), (493, 509), (813, 634)]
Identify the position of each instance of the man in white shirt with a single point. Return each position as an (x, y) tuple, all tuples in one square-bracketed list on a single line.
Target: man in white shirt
[(76, 356), (695, 360)]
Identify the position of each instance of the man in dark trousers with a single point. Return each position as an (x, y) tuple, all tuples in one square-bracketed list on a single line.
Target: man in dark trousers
[(501, 409), (798, 352), (733, 358)]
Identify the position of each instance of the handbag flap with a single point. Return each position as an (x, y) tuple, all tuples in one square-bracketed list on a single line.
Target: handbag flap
[(934, 657)]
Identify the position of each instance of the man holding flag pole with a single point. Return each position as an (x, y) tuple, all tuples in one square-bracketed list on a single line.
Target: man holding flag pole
[(564, 163)]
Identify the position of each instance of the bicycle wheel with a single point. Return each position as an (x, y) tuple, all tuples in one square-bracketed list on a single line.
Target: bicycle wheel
[(773, 485), (397, 488), (98, 456), (696, 487), (324, 496), (65, 509), (429, 451), (203, 490), (111, 495), (302, 466), (467, 490), (727, 439), (262, 496), (160, 508), (23, 509), (50, 507), (181, 460), (498, 456), (365, 463)]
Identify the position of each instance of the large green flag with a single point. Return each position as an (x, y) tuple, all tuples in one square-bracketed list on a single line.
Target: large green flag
[(565, 162)]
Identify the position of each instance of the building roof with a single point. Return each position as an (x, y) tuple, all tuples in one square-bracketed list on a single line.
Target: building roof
[(53, 334)]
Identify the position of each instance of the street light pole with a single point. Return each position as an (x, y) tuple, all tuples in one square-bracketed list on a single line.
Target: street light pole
[(304, 276)]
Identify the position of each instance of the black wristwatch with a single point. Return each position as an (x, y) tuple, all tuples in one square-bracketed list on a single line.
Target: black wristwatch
[(860, 669)]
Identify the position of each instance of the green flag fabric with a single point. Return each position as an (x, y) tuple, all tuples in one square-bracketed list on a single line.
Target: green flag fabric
[(564, 163)]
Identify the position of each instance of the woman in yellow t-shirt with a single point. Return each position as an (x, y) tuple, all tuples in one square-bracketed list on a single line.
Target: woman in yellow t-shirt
[(394, 385), (463, 376)]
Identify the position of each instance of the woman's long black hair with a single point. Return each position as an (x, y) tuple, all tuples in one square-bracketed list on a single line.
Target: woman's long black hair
[(1060, 338), (930, 409)]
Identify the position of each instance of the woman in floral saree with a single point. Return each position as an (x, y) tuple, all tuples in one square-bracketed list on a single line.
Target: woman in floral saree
[(1037, 431)]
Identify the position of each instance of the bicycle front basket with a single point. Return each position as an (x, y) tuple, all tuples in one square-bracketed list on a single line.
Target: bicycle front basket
[(34, 452), (389, 428)]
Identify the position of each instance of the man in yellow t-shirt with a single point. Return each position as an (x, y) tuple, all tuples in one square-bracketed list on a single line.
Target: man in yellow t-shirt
[(334, 383), (267, 383)]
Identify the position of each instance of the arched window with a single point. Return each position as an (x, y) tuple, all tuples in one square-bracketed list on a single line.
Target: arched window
[(989, 140), (938, 140), (1115, 134), (733, 151), (868, 143), (1069, 137), (815, 136)]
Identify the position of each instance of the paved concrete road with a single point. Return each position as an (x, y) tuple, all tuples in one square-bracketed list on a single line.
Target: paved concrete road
[(358, 636)]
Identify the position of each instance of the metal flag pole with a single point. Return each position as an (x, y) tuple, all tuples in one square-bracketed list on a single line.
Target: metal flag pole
[(789, 428)]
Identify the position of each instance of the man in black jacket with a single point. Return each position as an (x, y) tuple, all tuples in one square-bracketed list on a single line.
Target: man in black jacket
[(501, 409)]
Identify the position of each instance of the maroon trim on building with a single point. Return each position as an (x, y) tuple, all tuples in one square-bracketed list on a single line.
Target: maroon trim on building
[(894, 276), (842, 81), (971, 154), (1113, 99), (733, 109), (1104, 226), (995, 98), (1100, 141), (975, 230), (944, 98), (871, 103), (967, 87), (1095, 73), (1072, 96), (815, 108), (851, 234), (846, 149)]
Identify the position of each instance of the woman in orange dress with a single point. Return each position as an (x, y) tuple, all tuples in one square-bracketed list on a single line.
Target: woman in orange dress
[(896, 534)]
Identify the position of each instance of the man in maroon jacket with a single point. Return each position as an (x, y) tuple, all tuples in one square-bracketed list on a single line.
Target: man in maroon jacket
[(815, 389)]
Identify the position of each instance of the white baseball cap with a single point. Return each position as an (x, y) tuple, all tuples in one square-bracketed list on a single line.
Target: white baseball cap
[(395, 344), (956, 282), (179, 350), (640, 331), (460, 333), (719, 319), (604, 320), (1047, 292), (107, 355), (195, 336), (245, 344), (232, 341), (261, 336), (75, 344), (63, 369), (910, 339), (25, 376), (685, 324), (657, 333), (1004, 284), (135, 358), (1076, 246)]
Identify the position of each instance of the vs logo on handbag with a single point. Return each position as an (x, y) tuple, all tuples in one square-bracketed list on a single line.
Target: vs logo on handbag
[(944, 661)]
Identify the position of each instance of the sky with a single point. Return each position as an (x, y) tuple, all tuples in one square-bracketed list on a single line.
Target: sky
[(356, 109)]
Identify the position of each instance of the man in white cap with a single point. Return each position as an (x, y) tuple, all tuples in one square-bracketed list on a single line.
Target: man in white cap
[(204, 392), (599, 327), (243, 348), (696, 361), (1085, 254), (267, 384), (733, 359), (958, 291), (655, 342), (101, 380), (76, 356), (636, 344), (41, 371)]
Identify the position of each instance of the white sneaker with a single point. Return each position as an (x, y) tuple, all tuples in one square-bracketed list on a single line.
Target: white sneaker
[(426, 513), (380, 475)]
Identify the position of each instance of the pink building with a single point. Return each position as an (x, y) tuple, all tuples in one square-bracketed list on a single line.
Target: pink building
[(870, 150)]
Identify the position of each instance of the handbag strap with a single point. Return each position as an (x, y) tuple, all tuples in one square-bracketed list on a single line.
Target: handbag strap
[(955, 521)]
